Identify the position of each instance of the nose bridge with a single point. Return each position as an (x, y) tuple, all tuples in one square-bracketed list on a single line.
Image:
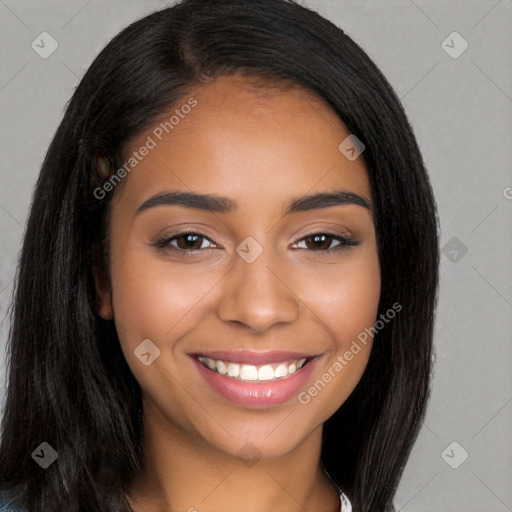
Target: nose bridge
[(255, 290)]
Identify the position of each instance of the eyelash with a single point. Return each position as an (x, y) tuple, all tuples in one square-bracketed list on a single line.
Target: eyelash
[(163, 243)]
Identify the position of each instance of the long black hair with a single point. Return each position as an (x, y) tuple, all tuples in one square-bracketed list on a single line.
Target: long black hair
[(68, 382)]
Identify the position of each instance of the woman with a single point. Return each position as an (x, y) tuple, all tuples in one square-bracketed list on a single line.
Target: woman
[(227, 287)]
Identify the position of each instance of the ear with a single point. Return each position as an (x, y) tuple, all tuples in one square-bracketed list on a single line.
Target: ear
[(103, 300)]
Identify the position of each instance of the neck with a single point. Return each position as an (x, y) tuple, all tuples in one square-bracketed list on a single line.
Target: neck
[(183, 472)]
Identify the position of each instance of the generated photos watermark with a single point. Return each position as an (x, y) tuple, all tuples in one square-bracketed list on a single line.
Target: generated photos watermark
[(343, 360), (158, 133)]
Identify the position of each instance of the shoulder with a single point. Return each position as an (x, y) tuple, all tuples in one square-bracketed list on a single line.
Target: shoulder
[(6, 505)]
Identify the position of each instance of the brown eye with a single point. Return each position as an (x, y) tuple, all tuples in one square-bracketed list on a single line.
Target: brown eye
[(321, 242), (191, 241), (185, 243)]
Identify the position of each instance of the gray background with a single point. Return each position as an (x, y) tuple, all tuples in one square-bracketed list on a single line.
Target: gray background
[(460, 109)]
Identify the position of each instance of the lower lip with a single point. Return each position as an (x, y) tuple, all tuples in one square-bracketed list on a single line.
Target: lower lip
[(257, 394)]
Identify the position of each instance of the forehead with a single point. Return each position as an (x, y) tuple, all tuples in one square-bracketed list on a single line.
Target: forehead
[(246, 137)]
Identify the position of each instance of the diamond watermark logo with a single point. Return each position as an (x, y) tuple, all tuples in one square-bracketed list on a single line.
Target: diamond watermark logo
[(249, 454), (44, 45), (454, 455), (454, 249), (249, 249), (44, 455), (454, 45), (351, 147), (147, 352)]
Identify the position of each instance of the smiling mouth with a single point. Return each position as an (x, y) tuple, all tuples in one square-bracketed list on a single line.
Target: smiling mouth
[(253, 373)]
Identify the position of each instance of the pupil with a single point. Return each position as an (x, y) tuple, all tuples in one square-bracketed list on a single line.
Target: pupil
[(321, 238), (189, 239)]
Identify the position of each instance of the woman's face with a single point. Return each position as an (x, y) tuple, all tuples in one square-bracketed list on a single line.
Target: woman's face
[(252, 290)]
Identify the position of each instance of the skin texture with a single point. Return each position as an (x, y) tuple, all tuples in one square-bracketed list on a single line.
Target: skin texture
[(260, 146)]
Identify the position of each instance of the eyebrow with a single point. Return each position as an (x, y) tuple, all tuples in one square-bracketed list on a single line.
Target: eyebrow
[(214, 203)]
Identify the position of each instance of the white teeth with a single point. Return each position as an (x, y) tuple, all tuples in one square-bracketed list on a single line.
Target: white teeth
[(250, 372), (233, 369), (221, 367), (281, 371), (266, 373)]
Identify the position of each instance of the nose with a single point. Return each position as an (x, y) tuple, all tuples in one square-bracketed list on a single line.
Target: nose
[(258, 295)]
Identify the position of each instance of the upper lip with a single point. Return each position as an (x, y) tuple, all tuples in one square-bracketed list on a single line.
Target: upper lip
[(254, 357)]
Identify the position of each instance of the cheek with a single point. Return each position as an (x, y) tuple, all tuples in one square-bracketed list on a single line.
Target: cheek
[(346, 302), (345, 298), (357, 312), (159, 301), (155, 299)]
